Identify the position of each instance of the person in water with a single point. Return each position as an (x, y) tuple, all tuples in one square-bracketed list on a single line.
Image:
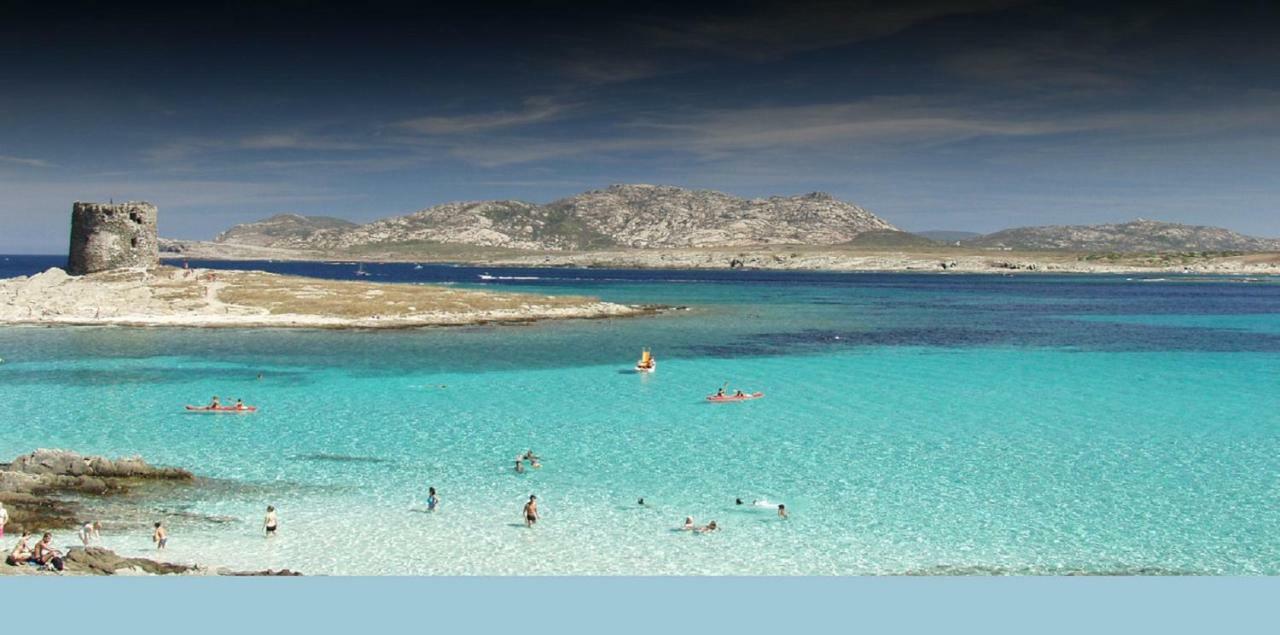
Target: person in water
[(711, 526), (89, 532), (688, 524), (160, 537), (737, 501), (782, 510), (531, 511), (640, 502), (432, 499), (271, 523), (530, 456), (519, 466)]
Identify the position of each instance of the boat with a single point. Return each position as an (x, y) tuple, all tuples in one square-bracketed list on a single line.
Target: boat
[(222, 409), (417, 266), (360, 270), (647, 363), (727, 398), (485, 276)]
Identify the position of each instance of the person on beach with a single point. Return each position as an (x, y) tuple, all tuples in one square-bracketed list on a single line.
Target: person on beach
[(44, 553), (160, 537), (4, 518), (270, 523), (519, 466), (531, 511), (432, 499), (782, 511), (21, 552), (688, 524), (89, 532)]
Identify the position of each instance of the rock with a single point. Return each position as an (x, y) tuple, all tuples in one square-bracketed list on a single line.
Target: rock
[(65, 463), (268, 572), (112, 236), (100, 561)]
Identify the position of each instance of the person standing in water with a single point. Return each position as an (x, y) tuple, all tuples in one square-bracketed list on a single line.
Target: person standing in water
[(89, 532), (432, 499), (519, 466), (531, 511), (270, 523), (160, 537), (782, 511)]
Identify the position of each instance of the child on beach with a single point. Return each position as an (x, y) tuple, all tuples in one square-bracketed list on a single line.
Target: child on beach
[(270, 523), (160, 537)]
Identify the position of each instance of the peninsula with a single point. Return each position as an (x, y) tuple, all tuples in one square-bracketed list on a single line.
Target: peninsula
[(121, 283)]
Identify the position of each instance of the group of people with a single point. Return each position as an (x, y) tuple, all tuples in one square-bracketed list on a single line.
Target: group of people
[(44, 554), (527, 456), (216, 404)]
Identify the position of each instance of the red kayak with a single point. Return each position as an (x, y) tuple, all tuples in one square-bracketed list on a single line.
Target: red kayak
[(725, 398), (222, 409)]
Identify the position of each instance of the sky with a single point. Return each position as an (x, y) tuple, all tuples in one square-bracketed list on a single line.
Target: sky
[(969, 115)]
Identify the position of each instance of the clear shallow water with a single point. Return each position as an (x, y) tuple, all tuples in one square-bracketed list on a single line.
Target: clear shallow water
[(913, 424)]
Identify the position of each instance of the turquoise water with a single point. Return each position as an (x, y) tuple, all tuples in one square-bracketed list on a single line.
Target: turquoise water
[(912, 424)]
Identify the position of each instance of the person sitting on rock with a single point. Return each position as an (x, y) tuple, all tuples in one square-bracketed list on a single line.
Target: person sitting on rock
[(21, 552), (46, 555)]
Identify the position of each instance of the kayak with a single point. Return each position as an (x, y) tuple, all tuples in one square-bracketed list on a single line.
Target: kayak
[(724, 398), (221, 409), (653, 365)]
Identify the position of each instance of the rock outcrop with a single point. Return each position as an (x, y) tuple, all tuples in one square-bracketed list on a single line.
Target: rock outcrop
[(100, 561), (30, 485), (628, 216), (112, 236), (1140, 235)]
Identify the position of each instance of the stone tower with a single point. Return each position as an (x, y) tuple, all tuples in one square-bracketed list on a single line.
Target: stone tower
[(112, 236)]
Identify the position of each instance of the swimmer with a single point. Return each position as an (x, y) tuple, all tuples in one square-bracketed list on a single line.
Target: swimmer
[(531, 511), (432, 499), (530, 456), (519, 466), (737, 501), (688, 524), (535, 464), (764, 503), (640, 502), (711, 526), (782, 511), (270, 523)]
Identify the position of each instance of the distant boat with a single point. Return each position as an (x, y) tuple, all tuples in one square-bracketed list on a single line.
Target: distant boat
[(485, 276), (647, 363), (360, 270), (417, 266)]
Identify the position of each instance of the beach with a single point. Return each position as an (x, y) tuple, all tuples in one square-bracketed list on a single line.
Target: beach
[(912, 425)]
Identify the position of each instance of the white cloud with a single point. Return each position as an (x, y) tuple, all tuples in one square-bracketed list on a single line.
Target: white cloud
[(534, 110)]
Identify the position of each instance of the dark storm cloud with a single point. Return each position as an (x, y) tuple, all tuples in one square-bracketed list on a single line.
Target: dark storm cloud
[(970, 115)]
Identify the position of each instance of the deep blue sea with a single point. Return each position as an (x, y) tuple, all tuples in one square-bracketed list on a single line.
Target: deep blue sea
[(912, 424)]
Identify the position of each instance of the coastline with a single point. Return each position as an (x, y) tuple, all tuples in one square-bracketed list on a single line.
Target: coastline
[(779, 257), (174, 297)]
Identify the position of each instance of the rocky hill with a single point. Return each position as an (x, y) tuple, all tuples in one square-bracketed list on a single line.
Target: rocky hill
[(281, 228), (1136, 236), (626, 216)]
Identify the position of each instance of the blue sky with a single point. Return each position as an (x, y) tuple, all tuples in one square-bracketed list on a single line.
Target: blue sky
[(974, 115)]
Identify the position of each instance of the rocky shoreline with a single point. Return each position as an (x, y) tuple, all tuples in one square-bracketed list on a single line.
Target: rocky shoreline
[(782, 258), (171, 296), (44, 491)]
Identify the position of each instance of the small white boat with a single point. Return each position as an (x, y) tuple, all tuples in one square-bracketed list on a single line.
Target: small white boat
[(360, 270), (417, 266), (485, 276)]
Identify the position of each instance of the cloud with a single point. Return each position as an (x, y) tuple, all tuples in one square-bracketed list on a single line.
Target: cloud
[(535, 110), (25, 161)]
